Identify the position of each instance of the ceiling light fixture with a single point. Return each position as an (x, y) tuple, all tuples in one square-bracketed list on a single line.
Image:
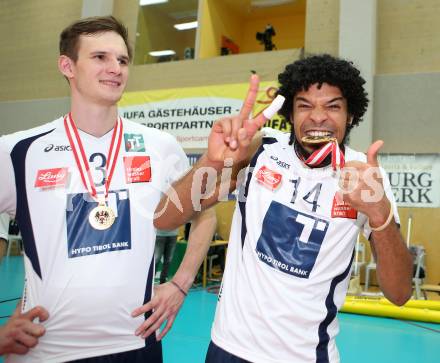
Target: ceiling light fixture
[(151, 2), (186, 26), (160, 53), (268, 3)]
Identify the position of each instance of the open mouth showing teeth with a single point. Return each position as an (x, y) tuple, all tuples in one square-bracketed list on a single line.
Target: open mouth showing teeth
[(317, 137), (111, 83)]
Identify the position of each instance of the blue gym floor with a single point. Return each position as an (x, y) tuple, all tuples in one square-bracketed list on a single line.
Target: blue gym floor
[(362, 339)]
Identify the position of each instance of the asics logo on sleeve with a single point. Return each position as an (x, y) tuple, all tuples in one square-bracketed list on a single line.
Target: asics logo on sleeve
[(52, 147), (280, 163)]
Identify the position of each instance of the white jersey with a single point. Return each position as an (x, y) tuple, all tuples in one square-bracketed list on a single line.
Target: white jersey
[(4, 226), (289, 260), (89, 280)]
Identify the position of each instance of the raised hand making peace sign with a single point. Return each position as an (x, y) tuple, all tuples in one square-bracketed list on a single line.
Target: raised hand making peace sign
[(231, 136)]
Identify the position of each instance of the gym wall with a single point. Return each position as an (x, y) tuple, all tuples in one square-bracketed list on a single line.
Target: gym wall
[(407, 80)]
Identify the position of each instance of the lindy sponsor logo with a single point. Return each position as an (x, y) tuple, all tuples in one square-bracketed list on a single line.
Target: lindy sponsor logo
[(51, 177), (134, 143), (343, 210), (137, 169), (280, 163), (52, 147), (268, 178)]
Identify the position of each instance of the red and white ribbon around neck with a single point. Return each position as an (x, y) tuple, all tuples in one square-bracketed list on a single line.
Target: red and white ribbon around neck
[(81, 158), (318, 156)]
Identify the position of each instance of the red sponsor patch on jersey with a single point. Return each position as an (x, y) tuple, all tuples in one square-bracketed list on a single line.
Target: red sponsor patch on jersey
[(343, 210), (47, 178), (137, 169), (269, 178)]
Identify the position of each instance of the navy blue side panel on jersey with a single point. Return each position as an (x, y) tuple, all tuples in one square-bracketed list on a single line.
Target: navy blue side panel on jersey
[(322, 347), (18, 157), (244, 193), (290, 240), (216, 354), (83, 239), (147, 297), (242, 206), (150, 354)]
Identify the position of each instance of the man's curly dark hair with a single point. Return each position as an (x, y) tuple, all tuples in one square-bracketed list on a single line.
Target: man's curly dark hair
[(301, 74)]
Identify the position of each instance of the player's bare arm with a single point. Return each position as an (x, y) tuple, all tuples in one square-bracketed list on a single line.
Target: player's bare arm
[(231, 143), (394, 263), (21, 333), (169, 297)]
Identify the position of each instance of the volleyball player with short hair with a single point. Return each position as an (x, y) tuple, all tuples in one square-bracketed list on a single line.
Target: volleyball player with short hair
[(84, 189)]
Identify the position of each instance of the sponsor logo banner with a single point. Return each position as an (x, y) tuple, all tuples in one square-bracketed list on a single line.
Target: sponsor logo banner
[(189, 113), (414, 179), (47, 178)]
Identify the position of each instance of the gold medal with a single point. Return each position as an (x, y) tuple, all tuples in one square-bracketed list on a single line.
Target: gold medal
[(101, 217), (317, 140), (319, 155)]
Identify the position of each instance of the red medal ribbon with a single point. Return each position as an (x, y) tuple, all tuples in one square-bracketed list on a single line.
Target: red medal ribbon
[(318, 156), (81, 159)]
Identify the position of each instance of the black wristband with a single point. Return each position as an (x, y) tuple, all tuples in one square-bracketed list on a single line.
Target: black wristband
[(180, 289)]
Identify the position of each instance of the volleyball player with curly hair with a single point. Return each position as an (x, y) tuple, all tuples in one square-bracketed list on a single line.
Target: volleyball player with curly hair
[(297, 218)]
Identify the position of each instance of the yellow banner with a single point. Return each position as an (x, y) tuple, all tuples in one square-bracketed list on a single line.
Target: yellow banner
[(188, 113)]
